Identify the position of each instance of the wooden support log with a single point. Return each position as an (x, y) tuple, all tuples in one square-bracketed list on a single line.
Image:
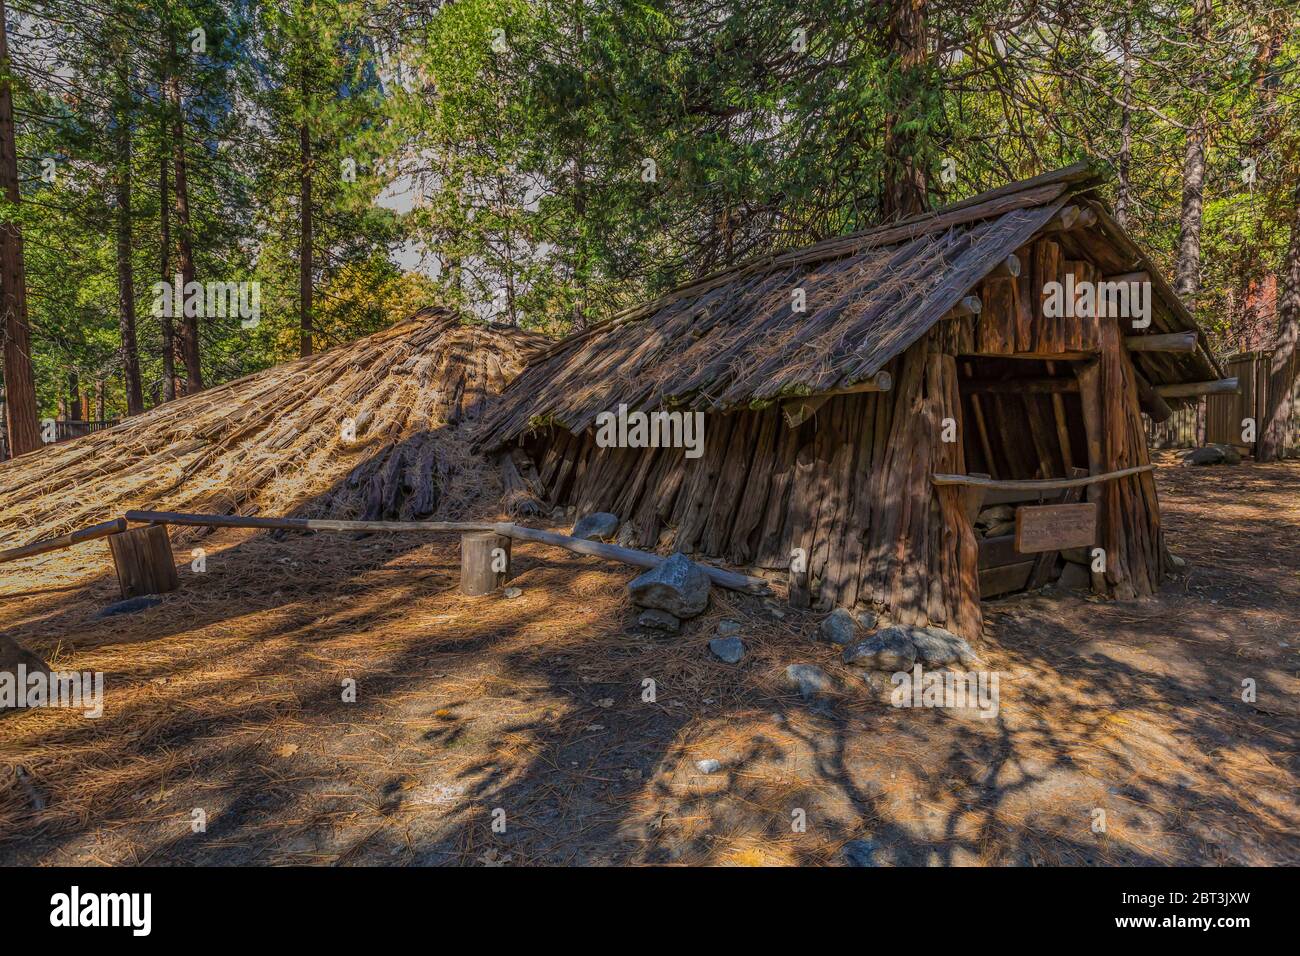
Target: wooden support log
[(969, 305), (1165, 342), (798, 410), (300, 524), (639, 559), (1063, 221), (1149, 401), (484, 562), (116, 526), (1223, 386), (144, 563), (1037, 484)]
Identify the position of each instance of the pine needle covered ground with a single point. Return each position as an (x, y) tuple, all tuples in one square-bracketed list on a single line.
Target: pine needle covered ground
[(227, 698)]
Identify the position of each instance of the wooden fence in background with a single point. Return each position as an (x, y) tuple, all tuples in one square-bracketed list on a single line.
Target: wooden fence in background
[(1225, 413)]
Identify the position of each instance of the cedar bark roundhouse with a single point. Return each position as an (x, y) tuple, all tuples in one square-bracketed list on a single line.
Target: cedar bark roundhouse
[(847, 434)]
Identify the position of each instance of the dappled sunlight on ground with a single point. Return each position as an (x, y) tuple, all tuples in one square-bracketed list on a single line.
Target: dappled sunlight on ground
[(532, 711)]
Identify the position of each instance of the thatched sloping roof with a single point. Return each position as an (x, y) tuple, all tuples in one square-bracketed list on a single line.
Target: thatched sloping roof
[(270, 442), (732, 339)]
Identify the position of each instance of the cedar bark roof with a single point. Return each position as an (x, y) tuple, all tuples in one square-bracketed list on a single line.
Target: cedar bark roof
[(732, 339)]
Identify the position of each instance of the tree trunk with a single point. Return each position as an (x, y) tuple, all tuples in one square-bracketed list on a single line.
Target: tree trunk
[(1123, 185), (906, 185), (1284, 367), (125, 278), (189, 324), (20, 384), (304, 247), (1187, 271), (165, 253)]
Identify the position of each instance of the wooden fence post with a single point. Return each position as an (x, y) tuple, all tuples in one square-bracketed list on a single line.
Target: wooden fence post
[(484, 562), (144, 562)]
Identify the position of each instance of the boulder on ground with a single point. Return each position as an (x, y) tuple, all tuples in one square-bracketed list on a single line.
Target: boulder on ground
[(934, 645), (890, 649), (678, 586), (13, 654), (656, 620), (727, 649), (1207, 455), (598, 526), (808, 679), (838, 627)]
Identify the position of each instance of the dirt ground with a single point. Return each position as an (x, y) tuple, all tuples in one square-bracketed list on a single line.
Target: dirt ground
[(529, 715)]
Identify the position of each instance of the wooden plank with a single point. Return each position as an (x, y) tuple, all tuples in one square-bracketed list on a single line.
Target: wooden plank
[(998, 552), (1004, 580), (1046, 562), (1055, 527)]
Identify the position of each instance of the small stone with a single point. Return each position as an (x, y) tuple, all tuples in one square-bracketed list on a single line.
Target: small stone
[(809, 679), (838, 627), (859, 853), (887, 650), (678, 586), (868, 620), (598, 526), (934, 645), (129, 606), (727, 649), (708, 766), (1176, 561), (626, 535), (728, 628), (656, 620), (512, 592)]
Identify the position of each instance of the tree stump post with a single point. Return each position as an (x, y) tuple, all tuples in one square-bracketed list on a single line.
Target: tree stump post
[(484, 562), (144, 562)]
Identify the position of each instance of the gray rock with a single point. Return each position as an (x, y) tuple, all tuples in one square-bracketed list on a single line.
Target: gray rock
[(838, 627), (728, 628), (1077, 556), (1176, 561), (599, 526), (727, 649), (708, 766), (887, 650), (678, 586), (1208, 455), (868, 620), (999, 529), (1230, 454), (809, 679), (129, 606), (626, 535), (934, 645), (859, 853), (656, 620), (512, 592)]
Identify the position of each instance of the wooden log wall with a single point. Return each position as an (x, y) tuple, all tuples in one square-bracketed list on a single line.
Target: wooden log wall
[(850, 487)]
